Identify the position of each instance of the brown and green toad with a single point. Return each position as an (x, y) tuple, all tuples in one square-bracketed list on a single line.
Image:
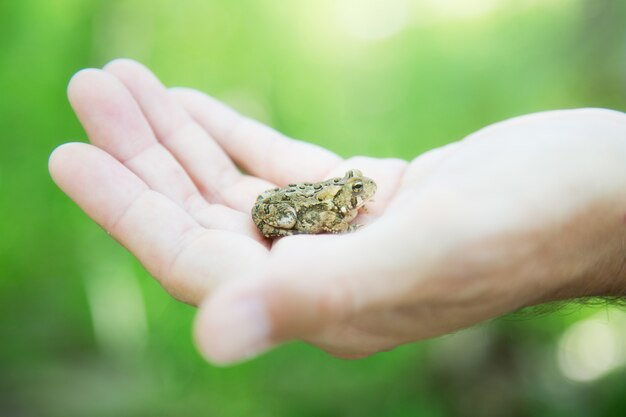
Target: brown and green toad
[(324, 207)]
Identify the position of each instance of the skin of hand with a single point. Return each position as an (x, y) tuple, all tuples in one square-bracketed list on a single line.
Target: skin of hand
[(525, 211)]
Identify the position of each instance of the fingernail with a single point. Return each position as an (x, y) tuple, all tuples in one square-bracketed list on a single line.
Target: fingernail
[(240, 331)]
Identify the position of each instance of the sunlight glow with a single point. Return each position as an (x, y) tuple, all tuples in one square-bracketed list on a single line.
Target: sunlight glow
[(593, 347), (458, 9), (372, 19)]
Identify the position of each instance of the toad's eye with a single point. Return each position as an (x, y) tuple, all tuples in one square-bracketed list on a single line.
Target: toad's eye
[(357, 186)]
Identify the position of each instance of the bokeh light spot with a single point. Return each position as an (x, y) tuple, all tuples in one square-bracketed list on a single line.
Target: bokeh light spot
[(593, 347), (372, 19)]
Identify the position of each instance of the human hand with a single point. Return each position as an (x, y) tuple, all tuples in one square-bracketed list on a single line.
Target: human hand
[(162, 186), (525, 211)]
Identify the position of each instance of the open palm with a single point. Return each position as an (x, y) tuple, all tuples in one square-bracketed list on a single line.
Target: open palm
[(164, 178), (463, 233)]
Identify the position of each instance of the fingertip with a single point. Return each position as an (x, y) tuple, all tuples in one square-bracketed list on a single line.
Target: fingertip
[(81, 81), (126, 68), (57, 155), (93, 91), (122, 63), (165, 115), (84, 171), (61, 157), (245, 318), (231, 327)]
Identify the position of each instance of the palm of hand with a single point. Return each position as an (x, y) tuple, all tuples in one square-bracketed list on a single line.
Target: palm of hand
[(163, 179)]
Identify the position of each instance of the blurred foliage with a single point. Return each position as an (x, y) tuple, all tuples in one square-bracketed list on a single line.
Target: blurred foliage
[(85, 331)]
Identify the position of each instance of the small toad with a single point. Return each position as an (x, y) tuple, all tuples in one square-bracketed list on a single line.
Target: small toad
[(323, 207)]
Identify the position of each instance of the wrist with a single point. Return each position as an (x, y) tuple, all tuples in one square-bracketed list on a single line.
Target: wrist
[(594, 252), (587, 253)]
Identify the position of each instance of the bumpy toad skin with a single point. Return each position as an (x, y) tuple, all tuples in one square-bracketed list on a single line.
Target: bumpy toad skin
[(324, 207)]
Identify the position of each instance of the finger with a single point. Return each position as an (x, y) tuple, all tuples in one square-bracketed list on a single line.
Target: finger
[(255, 147), (186, 258), (114, 122), (350, 341), (212, 171), (416, 173), (311, 282), (426, 163)]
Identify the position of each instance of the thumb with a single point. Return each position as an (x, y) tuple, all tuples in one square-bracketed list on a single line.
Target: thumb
[(310, 282)]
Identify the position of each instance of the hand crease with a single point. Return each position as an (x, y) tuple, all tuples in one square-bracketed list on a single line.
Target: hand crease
[(111, 228), (188, 205), (140, 152), (223, 181), (187, 237), (232, 129), (167, 138)]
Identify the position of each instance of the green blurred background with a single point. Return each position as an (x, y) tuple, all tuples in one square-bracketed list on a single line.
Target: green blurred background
[(85, 331)]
